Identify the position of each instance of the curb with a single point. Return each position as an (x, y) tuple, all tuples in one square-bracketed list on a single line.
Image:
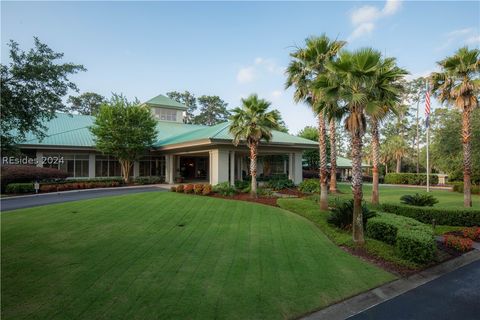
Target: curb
[(369, 299), (159, 186)]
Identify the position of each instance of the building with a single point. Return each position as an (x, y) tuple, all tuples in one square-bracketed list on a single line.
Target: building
[(192, 152)]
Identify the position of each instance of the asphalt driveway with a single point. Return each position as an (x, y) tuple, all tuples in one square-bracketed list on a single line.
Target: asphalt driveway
[(455, 295), (13, 203)]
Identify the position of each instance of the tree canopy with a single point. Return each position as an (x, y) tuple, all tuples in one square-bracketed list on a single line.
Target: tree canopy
[(213, 110), (187, 99), (33, 85), (87, 103)]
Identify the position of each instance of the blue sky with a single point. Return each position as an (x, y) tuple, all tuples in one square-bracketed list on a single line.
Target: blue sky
[(230, 49)]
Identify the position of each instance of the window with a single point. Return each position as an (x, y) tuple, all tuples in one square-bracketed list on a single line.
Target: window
[(76, 165), (107, 166), (166, 114), (152, 166)]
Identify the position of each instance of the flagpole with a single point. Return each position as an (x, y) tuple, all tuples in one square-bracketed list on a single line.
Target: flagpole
[(428, 143)]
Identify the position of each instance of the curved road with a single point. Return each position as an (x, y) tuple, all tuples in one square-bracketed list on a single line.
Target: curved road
[(7, 204)]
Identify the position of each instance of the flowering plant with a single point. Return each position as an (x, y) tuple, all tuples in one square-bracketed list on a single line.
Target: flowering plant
[(458, 243), (472, 233)]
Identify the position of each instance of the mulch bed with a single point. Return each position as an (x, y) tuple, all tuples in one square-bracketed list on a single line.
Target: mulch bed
[(271, 201)]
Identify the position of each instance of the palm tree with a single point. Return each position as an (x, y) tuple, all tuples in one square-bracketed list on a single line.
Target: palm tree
[(353, 80), (398, 148), (386, 94), (253, 123), (458, 83), (333, 156), (306, 65)]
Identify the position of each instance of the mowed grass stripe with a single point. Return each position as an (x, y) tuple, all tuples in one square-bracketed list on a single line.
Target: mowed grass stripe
[(126, 258)]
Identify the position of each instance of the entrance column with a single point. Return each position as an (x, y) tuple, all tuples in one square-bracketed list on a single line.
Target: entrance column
[(290, 167), (169, 169), (232, 168)]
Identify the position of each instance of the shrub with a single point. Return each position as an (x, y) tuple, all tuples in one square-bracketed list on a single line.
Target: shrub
[(309, 185), (416, 246), (265, 192), (457, 243), (20, 188), (242, 186), (188, 188), (180, 188), (148, 180), (442, 216), (342, 214), (471, 233), (225, 189), (410, 178), (310, 174), (198, 188), (419, 200), (280, 183), (413, 240), (173, 189), (207, 189), (458, 187), (24, 173)]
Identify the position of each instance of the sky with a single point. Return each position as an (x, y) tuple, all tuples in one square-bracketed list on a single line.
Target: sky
[(230, 49)]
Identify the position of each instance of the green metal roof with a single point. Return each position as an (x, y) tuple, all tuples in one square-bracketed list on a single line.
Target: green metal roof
[(221, 132), (346, 163), (73, 131), (163, 101)]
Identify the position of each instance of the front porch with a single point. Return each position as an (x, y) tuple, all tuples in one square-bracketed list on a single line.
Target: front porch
[(228, 165)]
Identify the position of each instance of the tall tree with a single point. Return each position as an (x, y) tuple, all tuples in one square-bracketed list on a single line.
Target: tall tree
[(124, 130), (458, 83), (87, 103), (187, 99), (213, 110), (306, 65), (386, 97), (353, 80), (252, 123), (32, 87), (415, 96)]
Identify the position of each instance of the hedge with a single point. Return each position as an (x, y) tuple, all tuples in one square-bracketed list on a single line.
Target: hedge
[(23, 173), (458, 187), (410, 178), (442, 216), (413, 240), (20, 188), (148, 180)]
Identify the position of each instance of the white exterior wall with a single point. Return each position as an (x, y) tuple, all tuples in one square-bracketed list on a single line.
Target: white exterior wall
[(219, 167), (297, 168)]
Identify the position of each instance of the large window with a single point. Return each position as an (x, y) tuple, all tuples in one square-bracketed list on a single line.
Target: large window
[(166, 114), (152, 166), (107, 166), (75, 164)]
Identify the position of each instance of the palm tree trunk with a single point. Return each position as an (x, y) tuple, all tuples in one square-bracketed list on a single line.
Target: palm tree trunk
[(375, 160), (357, 224), (333, 157), (323, 163), (467, 156), (253, 169), (399, 164)]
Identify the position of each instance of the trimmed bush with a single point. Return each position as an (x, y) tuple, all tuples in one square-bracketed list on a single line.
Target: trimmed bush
[(309, 186), (341, 215), (264, 192), (225, 189), (410, 178), (242, 186), (188, 188), (23, 173), (471, 233), (280, 183), (419, 200), (173, 189), (148, 180), (198, 188), (20, 188), (180, 188), (458, 187), (76, 184), (442, 216), (207, 189), (458, 243), (413, 240)]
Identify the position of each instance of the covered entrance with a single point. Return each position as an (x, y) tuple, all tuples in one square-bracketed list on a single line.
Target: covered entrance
[(193, 168)]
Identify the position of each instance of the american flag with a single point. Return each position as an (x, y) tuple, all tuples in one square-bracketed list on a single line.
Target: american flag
[(427, 107)]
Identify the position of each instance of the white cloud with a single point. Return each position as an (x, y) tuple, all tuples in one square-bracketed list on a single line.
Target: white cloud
[(459, 37), (246, 74), (260, 66), (363, 18)]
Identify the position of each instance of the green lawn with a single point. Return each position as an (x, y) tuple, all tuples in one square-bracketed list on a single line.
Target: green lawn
[(128, 257), (392, 194)]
